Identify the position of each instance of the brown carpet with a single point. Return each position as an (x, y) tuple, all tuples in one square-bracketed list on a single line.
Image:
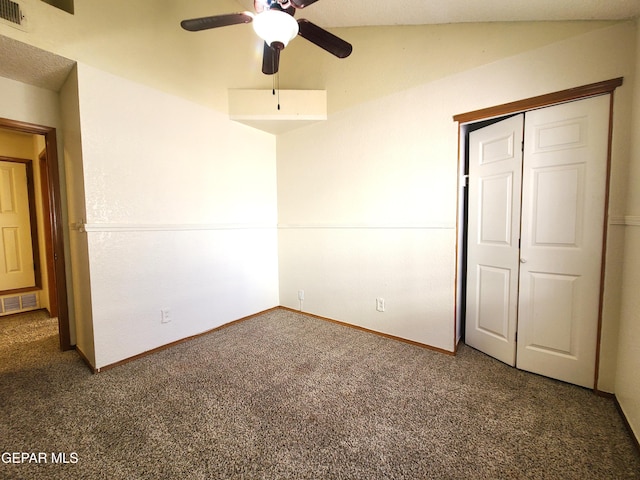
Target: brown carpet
[(283, 395)]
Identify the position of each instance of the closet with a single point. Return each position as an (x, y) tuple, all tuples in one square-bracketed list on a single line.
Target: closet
[(536, 212)]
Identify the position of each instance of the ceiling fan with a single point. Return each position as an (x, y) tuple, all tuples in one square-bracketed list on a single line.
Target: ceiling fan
[(274, 23)]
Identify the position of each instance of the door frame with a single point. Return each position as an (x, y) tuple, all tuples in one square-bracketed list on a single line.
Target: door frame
[(519, 106), (53, 227)]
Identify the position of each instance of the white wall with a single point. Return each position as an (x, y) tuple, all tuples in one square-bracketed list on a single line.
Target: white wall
[(180, 214), (371, 213), (373, 189), (627, 386)]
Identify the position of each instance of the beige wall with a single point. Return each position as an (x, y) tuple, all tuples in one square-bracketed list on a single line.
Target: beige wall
[(78, 274), (38, 146), (627, 386), (143, 41), (386, 60), (15, 144)]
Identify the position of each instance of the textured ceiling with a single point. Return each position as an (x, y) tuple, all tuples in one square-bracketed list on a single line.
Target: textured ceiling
[(353, 13), (33, 66)]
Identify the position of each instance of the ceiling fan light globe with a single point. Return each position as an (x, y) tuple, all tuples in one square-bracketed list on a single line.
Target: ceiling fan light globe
[(275, 26)]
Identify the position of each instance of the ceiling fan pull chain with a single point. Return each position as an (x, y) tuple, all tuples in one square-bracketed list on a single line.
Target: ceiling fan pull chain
[(276, 86), (278, 74), (273, 77)]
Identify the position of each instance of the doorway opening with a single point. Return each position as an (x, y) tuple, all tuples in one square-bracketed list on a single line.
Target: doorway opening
[(51, 256)]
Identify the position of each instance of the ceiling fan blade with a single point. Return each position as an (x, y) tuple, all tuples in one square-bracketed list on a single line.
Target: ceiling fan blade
[(270, 60), (324, 39), (302, 3), (205, 23)]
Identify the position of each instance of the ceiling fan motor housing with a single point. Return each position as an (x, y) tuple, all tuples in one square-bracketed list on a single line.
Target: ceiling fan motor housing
[(275, 26)]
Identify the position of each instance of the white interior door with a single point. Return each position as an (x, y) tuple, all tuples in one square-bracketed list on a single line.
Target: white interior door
[(495, 174), (536, 306), (564, 183), (16, 252)]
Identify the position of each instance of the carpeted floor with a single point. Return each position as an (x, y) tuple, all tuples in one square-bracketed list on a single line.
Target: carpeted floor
[(286, 396)]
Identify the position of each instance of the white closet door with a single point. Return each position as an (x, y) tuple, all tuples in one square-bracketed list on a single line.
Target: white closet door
[(495, 171), (564, 183)]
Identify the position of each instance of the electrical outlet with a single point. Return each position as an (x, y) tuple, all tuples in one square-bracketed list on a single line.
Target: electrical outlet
[(165, 315), (380, 304)]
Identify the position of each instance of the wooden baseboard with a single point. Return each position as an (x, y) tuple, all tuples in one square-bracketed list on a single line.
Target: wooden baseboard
[(627, 425), (186, 339), (632, 434), (177, 342), (84, 359), (363, 329), (602, 394)]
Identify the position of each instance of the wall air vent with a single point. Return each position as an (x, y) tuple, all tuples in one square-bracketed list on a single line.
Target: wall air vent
[(12, 14), (11, 304), (29, 301), (19, 303)]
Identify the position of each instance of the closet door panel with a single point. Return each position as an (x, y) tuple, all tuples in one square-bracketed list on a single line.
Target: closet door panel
[(495, 174), (563, 197)]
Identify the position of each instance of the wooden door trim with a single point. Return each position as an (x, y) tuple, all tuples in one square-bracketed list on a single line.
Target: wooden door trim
[(577, 93), (53, 225), (605, 233), (48, 240), (540, 101)]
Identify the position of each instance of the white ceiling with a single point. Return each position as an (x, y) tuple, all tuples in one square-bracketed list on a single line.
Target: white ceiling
[(353, 13)]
